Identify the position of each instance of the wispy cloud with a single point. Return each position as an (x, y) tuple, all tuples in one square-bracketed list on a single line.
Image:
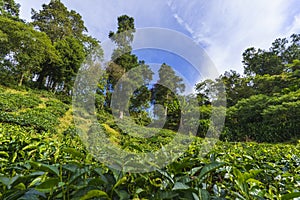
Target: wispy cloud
[(227, 28)]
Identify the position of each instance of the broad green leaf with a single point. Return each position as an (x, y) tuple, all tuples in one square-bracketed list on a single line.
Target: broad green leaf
[(45, 167), (123, 195), (48, 185), (290, 196), (209, 168), (203, 194), (5, 180), (94, 193), (180, 186), (166, 175)]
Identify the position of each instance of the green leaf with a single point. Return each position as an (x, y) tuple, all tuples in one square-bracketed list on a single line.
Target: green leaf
[(20, 186), (121, 181), (123, 194), (48, 185), (290, 196), (93, 194), (45, 167), (5, 180), (31, 146), (180, 186), (203, 194), (3, 153), (14, 157), (166, 175), (75, 153), (209, 168)]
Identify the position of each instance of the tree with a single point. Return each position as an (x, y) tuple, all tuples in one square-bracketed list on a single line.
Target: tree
[(57, 22), (63, 72), (260, 62), (123, 36), (25, 49), (166, 92), (10, 9), (236, 87), (274, 60), (67, 32), (125, 65), (293, 50)]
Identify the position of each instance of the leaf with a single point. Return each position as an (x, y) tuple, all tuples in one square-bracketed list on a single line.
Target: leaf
[(48, 185), (203, 194), (165, 195), (166, 175), (14, 157), (3, 153), (45, 167), (209, 168), (180, 186), (257, 182), (32, 194), (195, 170), (31, 146), (123, 194), (71, 167), (93, 194), (20, 186), (78, 174), (121, 181), (5, 180), (75, 153), (290, 196)]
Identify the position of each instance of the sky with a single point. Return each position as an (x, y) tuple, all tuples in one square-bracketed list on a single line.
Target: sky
[(224, 28)]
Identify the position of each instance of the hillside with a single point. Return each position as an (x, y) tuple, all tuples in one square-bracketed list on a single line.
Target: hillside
[(41, 157)]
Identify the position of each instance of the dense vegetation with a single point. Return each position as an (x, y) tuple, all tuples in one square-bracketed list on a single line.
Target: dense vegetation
[(42, 157)]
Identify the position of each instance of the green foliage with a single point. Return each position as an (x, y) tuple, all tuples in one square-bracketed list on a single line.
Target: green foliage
[(57, 21), (25, 49), (43, 164), (10, 102), (264, 119), (29, 110), (10, 9), (263, 105)]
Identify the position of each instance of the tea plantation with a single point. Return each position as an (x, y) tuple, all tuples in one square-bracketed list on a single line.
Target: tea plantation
[(41, 157)]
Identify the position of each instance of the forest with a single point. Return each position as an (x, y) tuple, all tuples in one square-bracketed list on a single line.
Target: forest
[(46, 152)]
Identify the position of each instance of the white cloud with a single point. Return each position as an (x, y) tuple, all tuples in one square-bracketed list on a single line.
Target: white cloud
[(227, 28), (295, 27)]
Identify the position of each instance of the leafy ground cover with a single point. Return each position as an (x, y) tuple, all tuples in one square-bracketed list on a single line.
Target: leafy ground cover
[(42, 159)]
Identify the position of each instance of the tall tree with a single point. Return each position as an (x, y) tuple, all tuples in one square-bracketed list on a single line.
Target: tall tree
[(25, 49), (63, 73), (58, 22), (123, 61), (67, 32), (261, 62), (166, 93)]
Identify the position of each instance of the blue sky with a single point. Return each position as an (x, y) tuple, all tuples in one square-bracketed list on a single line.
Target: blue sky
[(225, 28)]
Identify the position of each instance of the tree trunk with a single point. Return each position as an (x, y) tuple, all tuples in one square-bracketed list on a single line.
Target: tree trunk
[(166, 111), (21, 79), (121, 114)]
